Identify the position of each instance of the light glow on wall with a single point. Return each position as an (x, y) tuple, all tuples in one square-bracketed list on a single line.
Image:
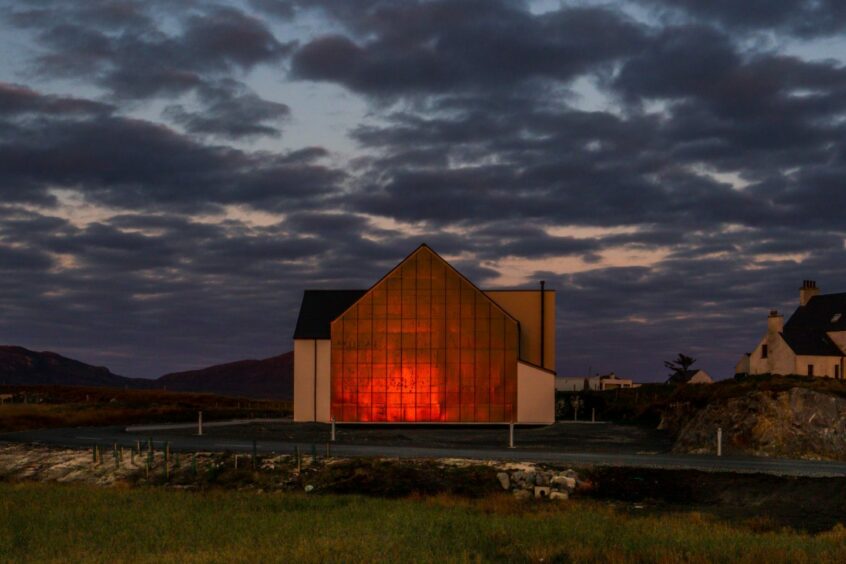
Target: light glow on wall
[(424, 345)]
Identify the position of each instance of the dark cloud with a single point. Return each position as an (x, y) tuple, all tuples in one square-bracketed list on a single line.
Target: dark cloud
[(142, 60), (418, 48), (125, 163), (229, 110), (700, 161), (805, 18)]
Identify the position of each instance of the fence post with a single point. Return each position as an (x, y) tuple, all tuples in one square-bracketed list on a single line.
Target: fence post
[(333, 430), (200, 424), (593, 415), (719, 441), (511, 435)]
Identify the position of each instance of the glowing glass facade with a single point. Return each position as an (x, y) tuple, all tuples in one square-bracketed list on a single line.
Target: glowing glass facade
[(424, 345)]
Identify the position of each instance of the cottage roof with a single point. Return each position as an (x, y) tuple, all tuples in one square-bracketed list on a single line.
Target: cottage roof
[(806, 330)]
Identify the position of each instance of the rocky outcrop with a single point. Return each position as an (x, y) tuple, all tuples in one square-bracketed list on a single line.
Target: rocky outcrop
[(540, 484), (798, 423)]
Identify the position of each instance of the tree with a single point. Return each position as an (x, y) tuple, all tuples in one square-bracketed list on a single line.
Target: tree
[(679, 368)]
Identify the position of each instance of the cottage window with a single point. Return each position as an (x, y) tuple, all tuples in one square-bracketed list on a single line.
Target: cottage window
[(837, 371), (810, 370), (764, 351)]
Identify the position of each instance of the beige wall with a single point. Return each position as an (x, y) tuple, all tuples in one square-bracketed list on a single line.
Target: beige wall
[(535, 395), (823, 365), (306, 375), (780, 357), (782, 360), (524, 305)]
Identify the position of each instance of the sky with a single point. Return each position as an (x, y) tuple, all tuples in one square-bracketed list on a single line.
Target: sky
[(174, 174)]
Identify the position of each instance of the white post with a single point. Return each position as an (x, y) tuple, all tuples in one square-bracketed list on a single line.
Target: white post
[(200, 423), (511, 435), (719, 441), (333, 430)]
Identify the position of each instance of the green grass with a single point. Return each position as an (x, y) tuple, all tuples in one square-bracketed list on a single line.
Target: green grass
[(61, 523)]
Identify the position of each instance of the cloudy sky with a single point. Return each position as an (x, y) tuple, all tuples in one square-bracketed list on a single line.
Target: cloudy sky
[(173, 174)]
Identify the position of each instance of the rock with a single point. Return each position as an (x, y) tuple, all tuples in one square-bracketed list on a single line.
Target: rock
[(504, 481), (560, 496), (309, 488), (565, 482), (542, 479), (797, 423), (542, 492), (522, 494)]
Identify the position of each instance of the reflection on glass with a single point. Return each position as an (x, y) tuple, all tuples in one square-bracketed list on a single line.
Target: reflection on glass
[(424, 345)]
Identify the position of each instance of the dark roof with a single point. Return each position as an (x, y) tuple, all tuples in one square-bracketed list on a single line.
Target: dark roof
[(805, 331), (319, 308)]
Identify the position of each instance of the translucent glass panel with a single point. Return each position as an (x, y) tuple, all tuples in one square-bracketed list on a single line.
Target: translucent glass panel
[(424, 345)]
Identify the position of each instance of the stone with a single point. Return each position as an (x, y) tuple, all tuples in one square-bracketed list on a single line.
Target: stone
[(504, 481), (565, 482), (542, 479), (542, 492), (309, 488), (559, 496), (522, 494)]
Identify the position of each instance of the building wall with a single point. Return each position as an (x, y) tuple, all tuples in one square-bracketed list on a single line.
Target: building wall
[(780, 357), (781, 360), (424, 345), (524, 305), (535, 395), (306, 376), (823, 365)]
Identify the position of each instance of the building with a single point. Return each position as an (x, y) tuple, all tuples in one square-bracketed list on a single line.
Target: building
[(576, 383), (613, 382), (811, 343), (424, 344), (697, 376), (598, 382)]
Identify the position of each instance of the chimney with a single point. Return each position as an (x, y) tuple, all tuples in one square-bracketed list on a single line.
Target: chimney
[(807, 291), (775, 323)]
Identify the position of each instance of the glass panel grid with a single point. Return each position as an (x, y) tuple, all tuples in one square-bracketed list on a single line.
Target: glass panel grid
[(424, 345)]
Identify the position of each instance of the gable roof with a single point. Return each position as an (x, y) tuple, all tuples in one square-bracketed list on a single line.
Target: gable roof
[(319, 308), (426, 248), (806, 330)]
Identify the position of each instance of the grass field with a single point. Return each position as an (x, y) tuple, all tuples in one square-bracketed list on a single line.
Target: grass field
[(41, 407), (60, 523)]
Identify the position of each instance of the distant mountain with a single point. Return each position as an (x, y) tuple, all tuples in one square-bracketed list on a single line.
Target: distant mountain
[(271, 378), (23, 367)]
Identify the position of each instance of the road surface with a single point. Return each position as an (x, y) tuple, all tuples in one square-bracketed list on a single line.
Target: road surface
[(83, 437)]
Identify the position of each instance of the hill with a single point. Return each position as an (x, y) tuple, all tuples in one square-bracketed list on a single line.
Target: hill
[(271, 378), (23, 367)]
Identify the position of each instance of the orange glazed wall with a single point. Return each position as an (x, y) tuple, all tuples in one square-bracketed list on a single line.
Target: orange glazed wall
[(424, 344)]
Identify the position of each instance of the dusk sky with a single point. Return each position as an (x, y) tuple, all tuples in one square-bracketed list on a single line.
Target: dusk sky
[(174, 173)]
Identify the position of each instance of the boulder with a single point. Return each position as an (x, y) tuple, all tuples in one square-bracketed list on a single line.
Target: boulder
[(504, 481), (559, 496), (562, 481), (522, 494)]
